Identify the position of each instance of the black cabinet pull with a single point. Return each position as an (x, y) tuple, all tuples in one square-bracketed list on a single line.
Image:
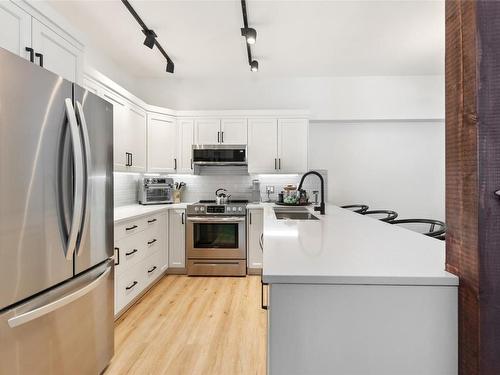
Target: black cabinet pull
[(261, 241), (152, 269), (175, 163), (275, 161), (131, 286), (132, 227), (222, 137), (264, 307), (279, 163), (118, 256), (32, 53), (151, 221), (40, 58), (182, 218), (250, 218), (218, 137), (152, 241), (132, 252), (131, 159)]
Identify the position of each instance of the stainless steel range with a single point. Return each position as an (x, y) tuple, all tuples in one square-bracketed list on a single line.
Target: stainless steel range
[(216, 238)]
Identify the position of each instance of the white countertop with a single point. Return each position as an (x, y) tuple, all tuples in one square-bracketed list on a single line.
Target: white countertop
[(124, 213), (344, 247)]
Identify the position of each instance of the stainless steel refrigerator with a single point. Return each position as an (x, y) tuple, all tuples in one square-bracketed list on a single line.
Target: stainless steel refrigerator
[(56, 223)]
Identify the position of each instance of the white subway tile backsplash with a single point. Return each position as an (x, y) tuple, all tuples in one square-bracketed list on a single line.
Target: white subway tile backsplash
[(204, 187)]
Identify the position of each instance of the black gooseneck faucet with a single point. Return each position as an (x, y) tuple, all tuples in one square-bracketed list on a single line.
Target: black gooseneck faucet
[(321, 207)]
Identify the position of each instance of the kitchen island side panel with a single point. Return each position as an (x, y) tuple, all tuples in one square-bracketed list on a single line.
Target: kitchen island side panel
[(362, 329)]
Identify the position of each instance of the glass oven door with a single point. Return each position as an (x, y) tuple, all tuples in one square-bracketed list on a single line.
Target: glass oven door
[(216, 237)]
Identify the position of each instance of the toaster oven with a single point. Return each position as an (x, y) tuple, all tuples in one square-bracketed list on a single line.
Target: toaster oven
[(155, 190)]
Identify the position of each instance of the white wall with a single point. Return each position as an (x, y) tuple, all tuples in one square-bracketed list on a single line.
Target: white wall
[(386, 165), (327, 98)]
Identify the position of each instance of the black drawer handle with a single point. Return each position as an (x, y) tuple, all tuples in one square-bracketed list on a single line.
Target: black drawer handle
[(151, 221), (40, 58), (132, 252), (132, 227), (131, 286), (118, 256), (152, 241), (152, 269), (32, 53), (264, 307)]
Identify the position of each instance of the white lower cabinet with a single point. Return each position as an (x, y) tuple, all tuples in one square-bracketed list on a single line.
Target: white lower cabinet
[(255, 222), (177, 239), (141, 256)]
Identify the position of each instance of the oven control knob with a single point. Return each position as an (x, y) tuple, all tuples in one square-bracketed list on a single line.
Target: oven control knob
[(202, 208), (196, 209), (234, 209), (240, 209)]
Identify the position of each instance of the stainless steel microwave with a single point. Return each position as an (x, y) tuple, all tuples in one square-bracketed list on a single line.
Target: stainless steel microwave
[(220, 155)]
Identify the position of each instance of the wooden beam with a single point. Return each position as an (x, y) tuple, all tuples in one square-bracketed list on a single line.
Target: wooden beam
[(472, 177)]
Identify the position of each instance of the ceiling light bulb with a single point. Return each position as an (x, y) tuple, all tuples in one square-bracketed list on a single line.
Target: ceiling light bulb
[(150, 38), (249, 34), (254, 66)]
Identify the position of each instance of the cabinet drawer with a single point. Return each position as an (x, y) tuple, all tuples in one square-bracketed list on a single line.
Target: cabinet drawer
[(130, 251), (152, 267), (129, 228), (128, 286)]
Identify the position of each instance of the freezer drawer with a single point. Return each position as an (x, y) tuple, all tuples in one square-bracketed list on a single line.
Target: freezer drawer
[(67, 330)]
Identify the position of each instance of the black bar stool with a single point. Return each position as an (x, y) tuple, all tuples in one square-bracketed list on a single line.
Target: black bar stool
[(437, 229), (358, 208), (387, 217)]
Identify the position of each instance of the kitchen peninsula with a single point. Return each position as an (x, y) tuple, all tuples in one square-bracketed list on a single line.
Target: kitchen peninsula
[(352, 295)]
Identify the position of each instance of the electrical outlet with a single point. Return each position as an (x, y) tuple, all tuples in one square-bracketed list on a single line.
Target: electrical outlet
[(270, 189)]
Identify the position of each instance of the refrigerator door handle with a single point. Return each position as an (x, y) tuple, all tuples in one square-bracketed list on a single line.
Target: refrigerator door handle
[(57, 304), (78, 180), (88, 164)]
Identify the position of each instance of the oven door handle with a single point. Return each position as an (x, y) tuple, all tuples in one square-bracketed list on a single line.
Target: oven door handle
[(212, 219)]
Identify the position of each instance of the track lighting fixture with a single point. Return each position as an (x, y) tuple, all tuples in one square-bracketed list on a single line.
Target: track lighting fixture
[(150, 38), (250, 34), (254, 66)]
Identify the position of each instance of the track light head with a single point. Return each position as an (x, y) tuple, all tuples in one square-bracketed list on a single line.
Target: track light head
[(150, 38), (170, 66), (254, 66), (250, 34)]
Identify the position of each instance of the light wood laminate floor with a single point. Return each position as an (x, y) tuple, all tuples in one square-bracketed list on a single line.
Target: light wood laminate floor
[(193, 325)]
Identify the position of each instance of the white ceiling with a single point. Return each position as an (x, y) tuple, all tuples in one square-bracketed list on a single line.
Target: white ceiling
[(295, 38)]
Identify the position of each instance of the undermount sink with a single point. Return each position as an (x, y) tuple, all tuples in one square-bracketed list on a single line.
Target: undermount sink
[(295, 213)]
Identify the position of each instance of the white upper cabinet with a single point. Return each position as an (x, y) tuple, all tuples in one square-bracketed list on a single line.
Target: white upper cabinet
[(233, 131), (129, 134), (263, 145), (15, 29), (277, 146), (136, 138), (58, 55), (184, 151), (162, 144), (20, 30), (207, 131), (292, 145), (120, 152)]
